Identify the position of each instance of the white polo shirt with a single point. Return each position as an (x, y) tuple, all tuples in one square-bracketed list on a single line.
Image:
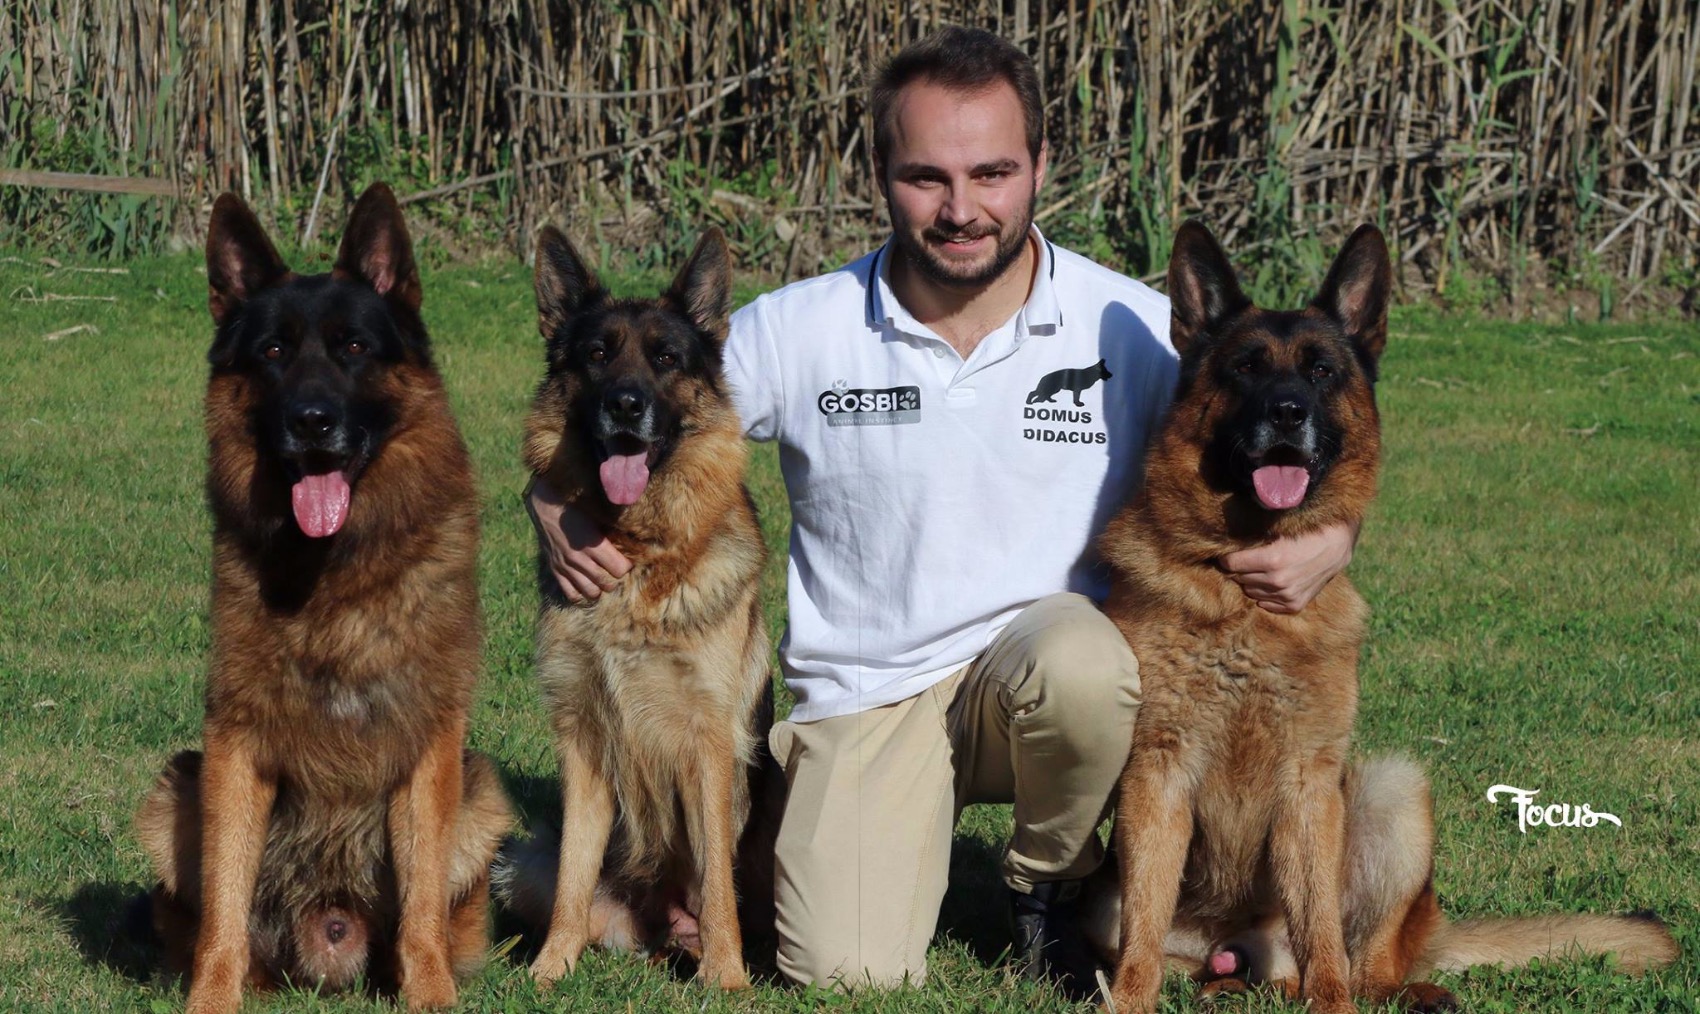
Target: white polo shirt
[(932, 497)]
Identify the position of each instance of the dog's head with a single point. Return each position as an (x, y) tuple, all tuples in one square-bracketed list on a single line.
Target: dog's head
[(314, 351), (632, 376), (1280, 400)]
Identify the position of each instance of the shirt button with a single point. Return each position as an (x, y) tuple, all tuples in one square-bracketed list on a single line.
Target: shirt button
[(938, 353)]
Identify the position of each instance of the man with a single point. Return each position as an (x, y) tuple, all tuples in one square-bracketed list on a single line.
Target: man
[(958, 415)]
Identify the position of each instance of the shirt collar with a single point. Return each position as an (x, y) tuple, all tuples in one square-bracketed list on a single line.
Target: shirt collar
[(1040, 315)]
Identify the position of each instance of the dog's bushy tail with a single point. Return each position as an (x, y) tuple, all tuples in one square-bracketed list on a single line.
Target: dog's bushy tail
[(1639, 941), (522, 878)]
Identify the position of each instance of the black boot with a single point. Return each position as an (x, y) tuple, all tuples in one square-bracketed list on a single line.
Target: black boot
[(1048, 944)]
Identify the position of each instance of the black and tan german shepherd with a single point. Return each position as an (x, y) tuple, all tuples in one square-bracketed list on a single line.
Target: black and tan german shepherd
[(1243, 831), (333, 829), (659, 690)]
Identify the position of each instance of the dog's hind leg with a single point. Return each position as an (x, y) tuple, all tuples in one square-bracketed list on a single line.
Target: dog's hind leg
[(587, 817), (168, 825), (708, 804), (1388, 904)]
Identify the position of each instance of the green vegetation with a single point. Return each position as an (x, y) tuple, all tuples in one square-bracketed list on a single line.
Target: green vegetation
[(1531, 563)]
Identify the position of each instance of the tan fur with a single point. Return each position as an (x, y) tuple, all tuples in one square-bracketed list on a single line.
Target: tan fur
[(333, 783), (1240, 823), (658, 691), (1639, 942)]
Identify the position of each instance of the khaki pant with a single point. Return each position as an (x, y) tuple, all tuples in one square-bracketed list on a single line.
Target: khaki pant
[(1043, 718)]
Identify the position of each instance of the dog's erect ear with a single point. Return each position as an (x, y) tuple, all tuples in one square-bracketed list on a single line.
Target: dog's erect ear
[(376, 249), (1203, 291), (1358, 289), (241, 260), (565, 283), (703, 287)]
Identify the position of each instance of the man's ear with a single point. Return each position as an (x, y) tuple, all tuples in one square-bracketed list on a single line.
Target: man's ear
[(565, 283), (1203, 290), (1358, 289), (376, 249), (241, 260), (703, 287)]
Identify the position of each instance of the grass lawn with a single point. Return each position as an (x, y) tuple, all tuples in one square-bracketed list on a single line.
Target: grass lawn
[(1533, 563)]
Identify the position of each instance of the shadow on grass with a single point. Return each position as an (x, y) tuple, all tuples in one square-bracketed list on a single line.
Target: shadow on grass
[(111, 925), (975, 910), (537, 802), (536, 798)]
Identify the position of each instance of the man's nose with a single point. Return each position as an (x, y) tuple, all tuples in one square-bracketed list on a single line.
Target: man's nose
[(959, 208)]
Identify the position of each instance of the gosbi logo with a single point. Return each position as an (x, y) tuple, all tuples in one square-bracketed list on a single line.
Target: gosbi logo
[(867, 406), (1076, 382)]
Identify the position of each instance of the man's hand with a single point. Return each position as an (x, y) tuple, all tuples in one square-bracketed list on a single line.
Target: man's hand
[(1285, 575), (584, 562)]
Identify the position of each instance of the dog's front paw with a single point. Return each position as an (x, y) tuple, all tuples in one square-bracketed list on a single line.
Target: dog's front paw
[(557, 958), (428, 984), (1135, 992), (220, 1000), (728, 974), (215, 988)]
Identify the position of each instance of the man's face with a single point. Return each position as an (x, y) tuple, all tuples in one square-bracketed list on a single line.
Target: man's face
[(960, 182)]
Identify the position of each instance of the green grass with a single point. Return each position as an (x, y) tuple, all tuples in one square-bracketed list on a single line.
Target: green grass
[(1531, 562)]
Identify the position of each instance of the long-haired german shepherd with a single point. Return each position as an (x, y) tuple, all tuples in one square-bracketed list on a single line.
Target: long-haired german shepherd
[(658, 690), (333, 828), (1242, 830)]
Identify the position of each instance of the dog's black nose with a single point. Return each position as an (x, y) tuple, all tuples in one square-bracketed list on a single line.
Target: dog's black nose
[(625, 405), (1287, 414), (312, 420)]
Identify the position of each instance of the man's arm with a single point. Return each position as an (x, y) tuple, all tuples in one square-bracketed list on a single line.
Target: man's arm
[(582, 559), (1284, 576)]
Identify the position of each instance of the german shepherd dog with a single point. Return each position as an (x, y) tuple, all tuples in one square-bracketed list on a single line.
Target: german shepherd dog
[(333, 828), (1242, 831), (1075, 382), (659, 690)]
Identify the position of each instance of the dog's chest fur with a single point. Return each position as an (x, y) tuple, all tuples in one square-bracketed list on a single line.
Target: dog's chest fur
[(1233, 690)]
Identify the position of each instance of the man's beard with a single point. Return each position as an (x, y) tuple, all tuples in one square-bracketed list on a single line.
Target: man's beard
[(965, 276)]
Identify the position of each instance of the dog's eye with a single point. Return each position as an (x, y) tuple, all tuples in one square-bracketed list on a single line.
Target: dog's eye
[(1321, 371), (1246, 367), (357, 347), (272, 351), (665, 360), (598, 354)]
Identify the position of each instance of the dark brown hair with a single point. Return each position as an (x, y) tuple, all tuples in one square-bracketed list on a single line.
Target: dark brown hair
[(961, 59)]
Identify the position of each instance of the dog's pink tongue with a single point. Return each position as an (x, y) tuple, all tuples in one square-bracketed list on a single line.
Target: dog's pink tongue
[(321, 504), (1280, 486), (624, 477)]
